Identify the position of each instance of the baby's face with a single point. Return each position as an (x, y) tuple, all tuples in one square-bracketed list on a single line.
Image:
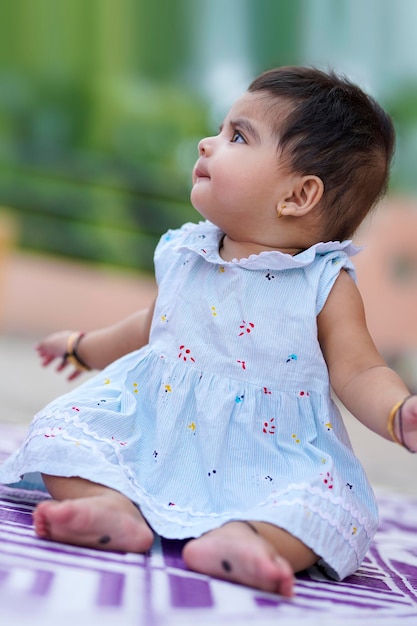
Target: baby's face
[(238, 179)]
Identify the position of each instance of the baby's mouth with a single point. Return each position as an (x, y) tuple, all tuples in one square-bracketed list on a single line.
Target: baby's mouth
[(200, 174)]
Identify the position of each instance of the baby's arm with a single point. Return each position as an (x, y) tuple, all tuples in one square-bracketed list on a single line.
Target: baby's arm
[(99, 347), (359, 375)]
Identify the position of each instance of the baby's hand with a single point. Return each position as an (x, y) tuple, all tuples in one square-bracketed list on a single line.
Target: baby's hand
[(55, 347)]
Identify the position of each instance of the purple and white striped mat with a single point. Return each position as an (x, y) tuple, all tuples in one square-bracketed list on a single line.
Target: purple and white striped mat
[(42, 582)]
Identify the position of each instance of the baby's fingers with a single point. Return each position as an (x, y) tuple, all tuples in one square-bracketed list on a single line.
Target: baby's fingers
[(62, 365), (74, 375), (46, 359)]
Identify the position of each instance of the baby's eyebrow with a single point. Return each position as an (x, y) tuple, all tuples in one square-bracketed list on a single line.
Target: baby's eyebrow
[(245, 125)]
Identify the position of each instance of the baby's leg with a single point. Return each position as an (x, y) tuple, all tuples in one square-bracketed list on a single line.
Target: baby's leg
[(256, 554), (88, 514)]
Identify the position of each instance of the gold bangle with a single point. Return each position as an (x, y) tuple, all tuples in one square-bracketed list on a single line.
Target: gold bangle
[(391, 419), (397, 408), (71, 354)]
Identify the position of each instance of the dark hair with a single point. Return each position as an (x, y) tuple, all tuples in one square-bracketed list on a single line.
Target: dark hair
[(335, 131)]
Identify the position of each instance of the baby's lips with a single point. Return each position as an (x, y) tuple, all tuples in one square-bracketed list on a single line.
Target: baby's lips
[(200, 171)]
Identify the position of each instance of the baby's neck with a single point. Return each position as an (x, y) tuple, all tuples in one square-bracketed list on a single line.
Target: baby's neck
[(230, 249)]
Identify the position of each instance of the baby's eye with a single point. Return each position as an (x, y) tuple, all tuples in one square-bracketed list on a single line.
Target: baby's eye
[(237, 137)]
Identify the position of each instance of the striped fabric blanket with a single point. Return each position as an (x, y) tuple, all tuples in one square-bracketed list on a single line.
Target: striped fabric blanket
[(42, 582)]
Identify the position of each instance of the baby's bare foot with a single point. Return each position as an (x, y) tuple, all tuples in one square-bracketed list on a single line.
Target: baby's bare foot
[(106, 522), (235, 552)]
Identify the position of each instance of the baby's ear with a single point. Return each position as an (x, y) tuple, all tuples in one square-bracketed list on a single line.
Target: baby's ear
[(306, 195)]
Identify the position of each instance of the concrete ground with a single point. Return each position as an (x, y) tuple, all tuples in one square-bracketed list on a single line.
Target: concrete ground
[(39, 295)]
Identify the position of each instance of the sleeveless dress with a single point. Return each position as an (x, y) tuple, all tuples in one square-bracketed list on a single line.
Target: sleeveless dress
[(227, 413)]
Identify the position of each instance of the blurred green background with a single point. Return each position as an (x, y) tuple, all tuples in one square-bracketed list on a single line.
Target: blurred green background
[(102, 103)]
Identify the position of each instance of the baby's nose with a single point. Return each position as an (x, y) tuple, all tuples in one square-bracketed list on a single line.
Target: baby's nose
[(204, 146)]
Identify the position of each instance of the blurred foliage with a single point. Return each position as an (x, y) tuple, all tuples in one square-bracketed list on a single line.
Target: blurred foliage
[(98, 132), (99, 173)]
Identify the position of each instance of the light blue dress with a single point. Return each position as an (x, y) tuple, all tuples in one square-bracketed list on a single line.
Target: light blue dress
[(226, 414)]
